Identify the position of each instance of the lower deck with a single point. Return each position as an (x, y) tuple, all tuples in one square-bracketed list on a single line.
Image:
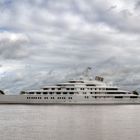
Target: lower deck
[(71, 99)]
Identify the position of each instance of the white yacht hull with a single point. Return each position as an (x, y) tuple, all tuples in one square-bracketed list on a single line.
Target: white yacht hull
[(41, 99)]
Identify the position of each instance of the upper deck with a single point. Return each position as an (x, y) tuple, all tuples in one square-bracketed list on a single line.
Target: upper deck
[(82, 86)]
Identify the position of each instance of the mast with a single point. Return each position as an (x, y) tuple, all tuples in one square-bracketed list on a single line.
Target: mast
[(87, 73)]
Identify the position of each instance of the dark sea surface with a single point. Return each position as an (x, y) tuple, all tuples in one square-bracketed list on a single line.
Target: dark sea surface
[(69, 122)]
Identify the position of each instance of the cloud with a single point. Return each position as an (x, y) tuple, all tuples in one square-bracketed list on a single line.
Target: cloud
[(40, 37), (11, 45)]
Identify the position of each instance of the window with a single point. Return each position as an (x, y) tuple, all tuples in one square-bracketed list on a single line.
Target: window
[(33, 97), (86, 97), (69, 97), (111, 88), (39, 97), (133, 96), (45, 92), (116, 92), (59, 88), (90, 85), (76, 82), (118, 96), (38, 92), (31, 92), (45, 97), (71, 93), (58, 92), (72, 81), (67, 88), (53, 88), (64, 92)]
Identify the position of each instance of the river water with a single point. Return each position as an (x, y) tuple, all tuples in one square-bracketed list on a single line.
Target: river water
[(69, 122)]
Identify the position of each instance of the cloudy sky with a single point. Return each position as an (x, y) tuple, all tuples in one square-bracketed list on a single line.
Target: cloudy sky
[(46, 41)]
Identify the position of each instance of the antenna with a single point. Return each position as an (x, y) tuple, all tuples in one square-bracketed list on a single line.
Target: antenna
[(87, 72)]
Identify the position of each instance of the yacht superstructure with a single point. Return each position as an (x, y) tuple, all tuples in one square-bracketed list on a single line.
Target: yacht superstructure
[(82, 91)]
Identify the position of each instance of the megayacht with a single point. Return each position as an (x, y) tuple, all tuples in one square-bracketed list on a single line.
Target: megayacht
[(84, 90)]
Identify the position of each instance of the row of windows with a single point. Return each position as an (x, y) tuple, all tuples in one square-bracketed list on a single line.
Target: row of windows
[(48, 98), (81, 88), (50, 92), (106, 92), (74, 92), (34, 97), (116, 92), (86, 97), (58, 88), (92, 88)]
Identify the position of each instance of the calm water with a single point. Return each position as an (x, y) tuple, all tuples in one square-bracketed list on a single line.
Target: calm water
[(66, 122)]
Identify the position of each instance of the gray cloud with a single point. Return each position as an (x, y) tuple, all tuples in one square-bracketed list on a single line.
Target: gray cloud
[(137, 4), (53, 41), (11, 45)]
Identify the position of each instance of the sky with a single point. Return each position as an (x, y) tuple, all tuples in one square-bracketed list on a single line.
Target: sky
[(48, 41)]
